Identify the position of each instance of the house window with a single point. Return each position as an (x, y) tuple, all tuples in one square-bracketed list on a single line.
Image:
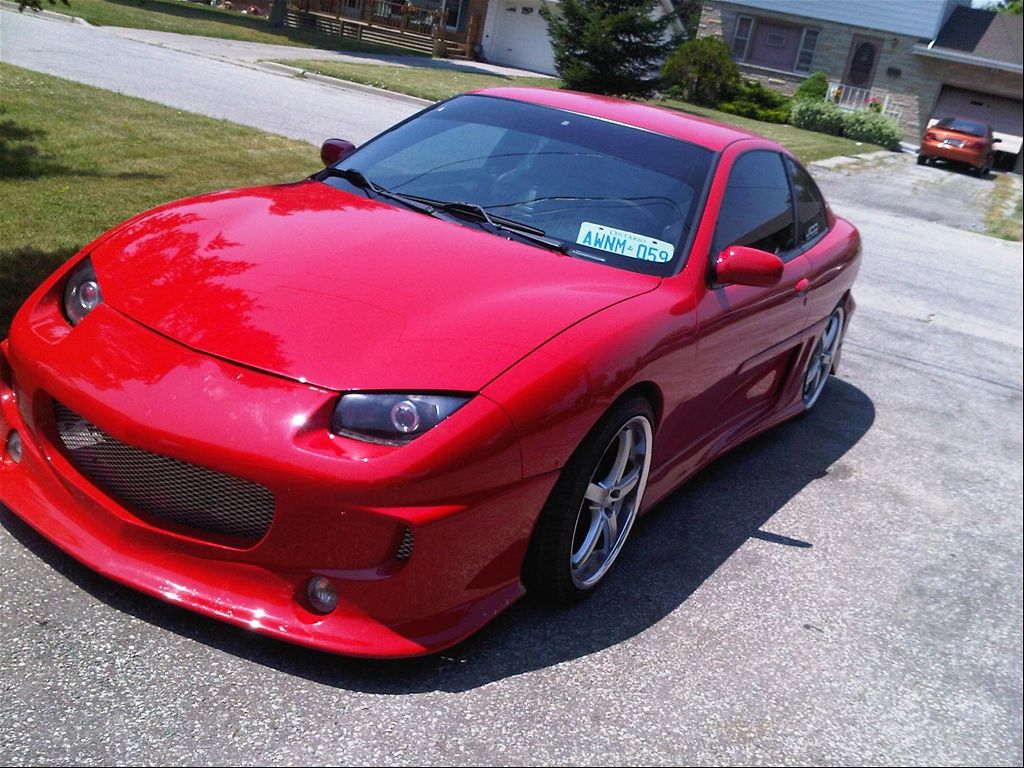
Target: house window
[(774, 45), (808, 43), (741, 38), (453, 13), (451, 9)]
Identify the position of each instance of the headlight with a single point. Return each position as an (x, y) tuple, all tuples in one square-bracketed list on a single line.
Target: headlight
[(392, 418), (82, 293)]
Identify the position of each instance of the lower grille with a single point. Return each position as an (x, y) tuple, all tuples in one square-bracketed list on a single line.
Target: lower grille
[(164, 487)]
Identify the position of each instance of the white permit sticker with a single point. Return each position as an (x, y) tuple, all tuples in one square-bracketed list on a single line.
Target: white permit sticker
[(624, 243)]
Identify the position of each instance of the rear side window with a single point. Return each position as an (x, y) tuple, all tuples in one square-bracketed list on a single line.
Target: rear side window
[(757, 210), (810, 207), (959, 125)]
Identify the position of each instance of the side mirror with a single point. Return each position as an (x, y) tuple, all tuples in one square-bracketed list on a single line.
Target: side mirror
[(333, 150), (741, 265)]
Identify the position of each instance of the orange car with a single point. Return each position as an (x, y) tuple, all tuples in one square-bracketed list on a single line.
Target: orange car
[(959, 141)]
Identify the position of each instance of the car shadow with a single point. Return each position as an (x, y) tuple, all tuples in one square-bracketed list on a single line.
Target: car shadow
[(672, 551)]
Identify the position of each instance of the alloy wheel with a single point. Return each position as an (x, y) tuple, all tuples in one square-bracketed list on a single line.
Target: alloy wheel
[(611, 502), (820, 365)]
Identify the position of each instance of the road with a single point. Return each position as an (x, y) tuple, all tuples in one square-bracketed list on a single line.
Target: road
[(845, 589), (291, 107)]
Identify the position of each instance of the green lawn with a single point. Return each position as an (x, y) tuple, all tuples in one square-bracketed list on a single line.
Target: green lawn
[(428, 83), (189, 18), (435, 84), (75, 160)]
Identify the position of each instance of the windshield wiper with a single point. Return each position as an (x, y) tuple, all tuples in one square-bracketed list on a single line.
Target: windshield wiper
[(498, 223), (432, 207), (357, 179)]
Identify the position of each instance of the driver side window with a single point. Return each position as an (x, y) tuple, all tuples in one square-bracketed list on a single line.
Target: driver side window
[(757, 209)]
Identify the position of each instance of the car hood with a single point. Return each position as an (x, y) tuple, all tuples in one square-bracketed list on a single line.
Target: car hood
[(333, 289)]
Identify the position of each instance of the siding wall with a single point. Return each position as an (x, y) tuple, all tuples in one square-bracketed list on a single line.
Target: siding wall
[(916, 18)]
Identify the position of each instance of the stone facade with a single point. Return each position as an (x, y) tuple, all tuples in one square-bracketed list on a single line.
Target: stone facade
[(911, 81)]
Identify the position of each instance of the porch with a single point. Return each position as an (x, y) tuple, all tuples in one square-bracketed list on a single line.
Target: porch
[(445, 28), (850, 97)]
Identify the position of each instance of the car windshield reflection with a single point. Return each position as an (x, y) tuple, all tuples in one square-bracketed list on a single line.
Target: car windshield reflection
[(618, 194)]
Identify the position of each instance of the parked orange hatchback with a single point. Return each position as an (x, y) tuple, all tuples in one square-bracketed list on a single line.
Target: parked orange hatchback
[(959, 141)]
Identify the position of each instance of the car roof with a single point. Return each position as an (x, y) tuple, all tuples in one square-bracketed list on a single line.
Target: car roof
[(669, 122)]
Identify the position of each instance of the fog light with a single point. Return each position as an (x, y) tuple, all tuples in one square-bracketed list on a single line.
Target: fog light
[(14, 446), (322, 595)]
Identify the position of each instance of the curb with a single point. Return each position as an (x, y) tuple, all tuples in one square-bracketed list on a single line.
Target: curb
[(336, 82)]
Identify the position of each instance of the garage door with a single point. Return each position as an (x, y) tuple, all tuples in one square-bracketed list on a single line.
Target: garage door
[(520, 37), (1006, 116)]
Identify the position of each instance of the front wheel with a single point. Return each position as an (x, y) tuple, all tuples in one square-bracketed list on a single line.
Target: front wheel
[(591, 510), (819, 366)]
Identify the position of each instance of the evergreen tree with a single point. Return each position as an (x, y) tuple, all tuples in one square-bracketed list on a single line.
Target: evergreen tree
[(612, 47)]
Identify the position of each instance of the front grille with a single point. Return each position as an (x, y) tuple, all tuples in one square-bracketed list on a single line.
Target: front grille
[(157, 485)]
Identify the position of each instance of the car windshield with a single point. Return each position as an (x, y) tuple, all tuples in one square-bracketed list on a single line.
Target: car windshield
[(959, 125), (609, 192)]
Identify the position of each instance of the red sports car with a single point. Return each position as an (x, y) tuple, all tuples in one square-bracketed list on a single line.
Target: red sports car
[(366, 411)]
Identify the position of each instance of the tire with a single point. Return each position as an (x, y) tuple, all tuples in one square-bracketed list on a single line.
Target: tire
[(591, 509), (819, 365), (921, 159)]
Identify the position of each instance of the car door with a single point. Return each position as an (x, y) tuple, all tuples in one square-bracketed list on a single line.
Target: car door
[(828, 244), (749, 336)]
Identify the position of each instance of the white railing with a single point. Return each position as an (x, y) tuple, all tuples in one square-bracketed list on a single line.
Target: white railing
[(850, 97)]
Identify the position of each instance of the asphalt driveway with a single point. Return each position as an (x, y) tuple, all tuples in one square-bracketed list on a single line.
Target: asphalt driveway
[(845, 589)]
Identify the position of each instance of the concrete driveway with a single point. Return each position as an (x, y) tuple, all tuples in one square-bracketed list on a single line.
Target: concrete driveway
[(894, 182), (846, 589)]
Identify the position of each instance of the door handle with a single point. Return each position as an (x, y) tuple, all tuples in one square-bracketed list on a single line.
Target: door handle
[(803, 286)]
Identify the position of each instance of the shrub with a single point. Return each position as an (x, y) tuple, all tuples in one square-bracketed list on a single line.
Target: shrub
[(820, 116), (701, 71), (755, 101), (872, 127), (814, 88)]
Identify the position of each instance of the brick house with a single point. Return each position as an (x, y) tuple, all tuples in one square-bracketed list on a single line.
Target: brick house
[(923, 59)]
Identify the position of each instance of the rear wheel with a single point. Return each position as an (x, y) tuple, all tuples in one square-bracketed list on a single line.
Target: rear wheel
[(819, 366), (591, 510)]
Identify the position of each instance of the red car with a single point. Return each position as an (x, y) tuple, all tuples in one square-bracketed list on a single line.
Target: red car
[(366, 411), (961, 141)]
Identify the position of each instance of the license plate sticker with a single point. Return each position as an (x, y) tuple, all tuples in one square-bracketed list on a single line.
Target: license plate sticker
[(624, 243)]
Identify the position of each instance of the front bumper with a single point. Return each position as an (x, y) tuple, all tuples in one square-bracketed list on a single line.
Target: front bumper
[(342, 508)]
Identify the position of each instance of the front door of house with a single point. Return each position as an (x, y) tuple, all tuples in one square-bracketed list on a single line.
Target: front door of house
[(860, 65)]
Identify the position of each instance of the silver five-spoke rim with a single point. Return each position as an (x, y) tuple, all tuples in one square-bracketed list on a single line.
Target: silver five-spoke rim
[(820, 365), (611, 502)]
